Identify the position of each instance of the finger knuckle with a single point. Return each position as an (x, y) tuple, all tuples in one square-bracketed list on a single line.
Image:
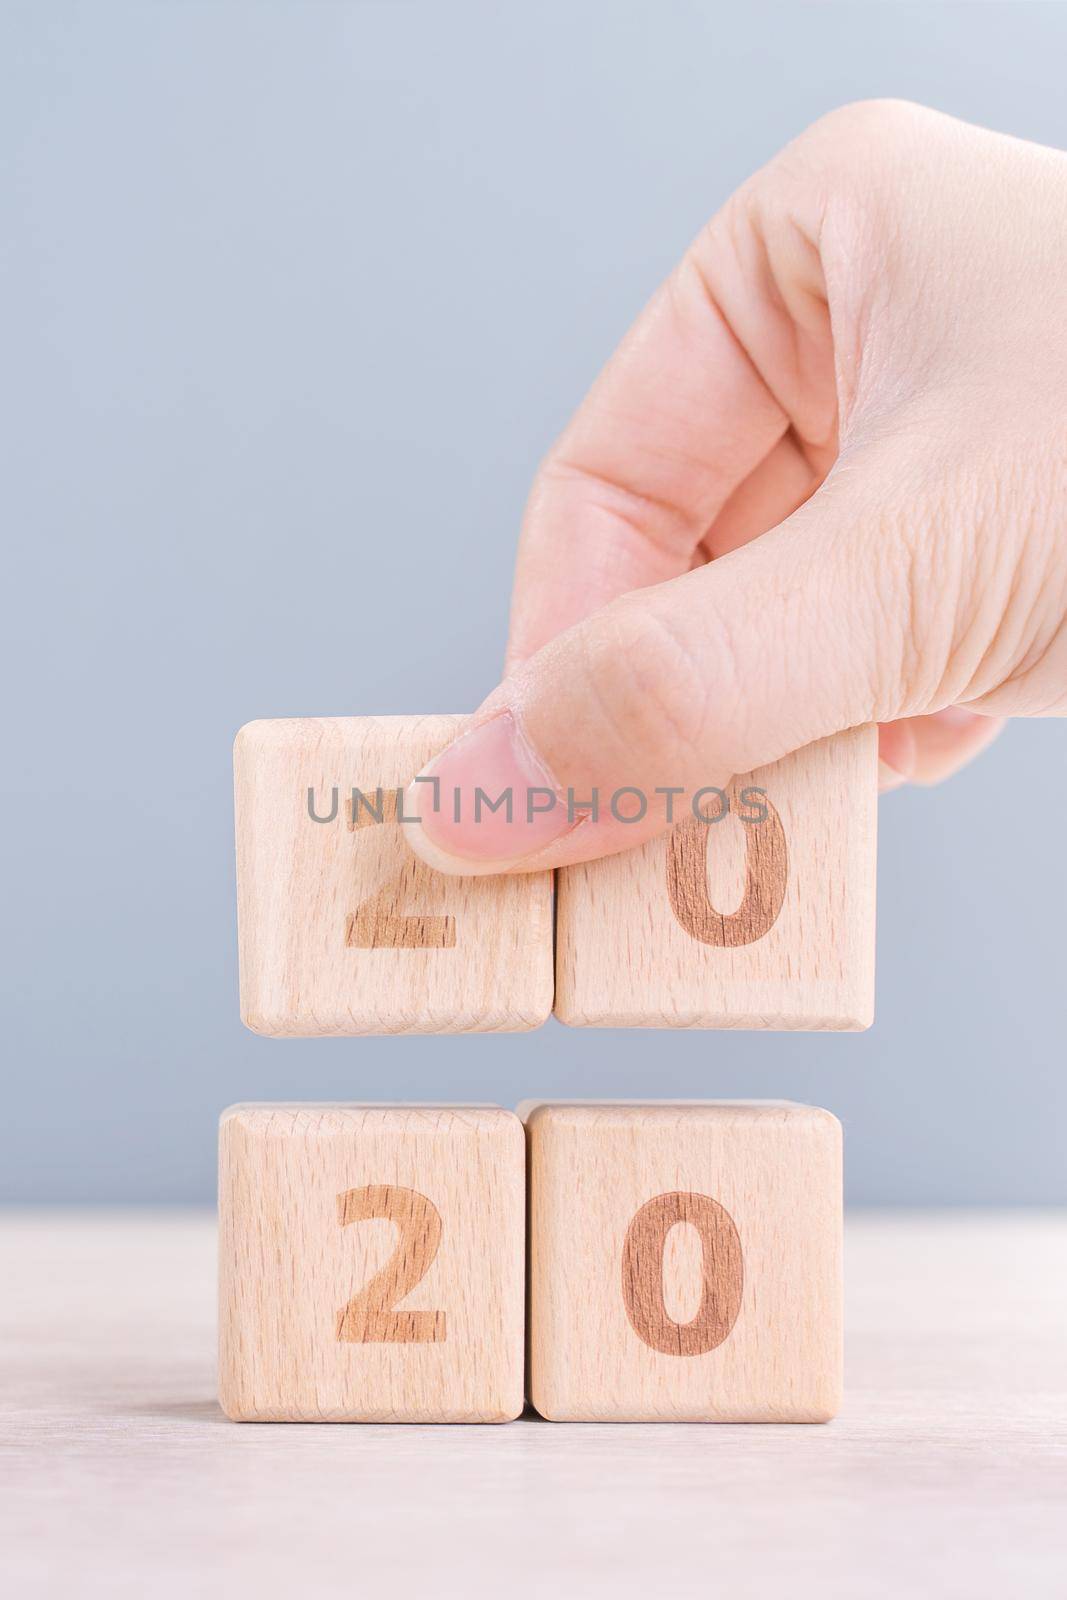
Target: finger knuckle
[(871, 122), (649, 687)]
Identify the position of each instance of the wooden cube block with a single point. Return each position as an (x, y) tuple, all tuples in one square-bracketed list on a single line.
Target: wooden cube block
[(761, 919), (342, 929), (371, 1263), (685, 1262)]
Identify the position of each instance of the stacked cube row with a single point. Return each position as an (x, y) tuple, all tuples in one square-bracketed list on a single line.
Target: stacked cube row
[(761, 916), (682, 1262)]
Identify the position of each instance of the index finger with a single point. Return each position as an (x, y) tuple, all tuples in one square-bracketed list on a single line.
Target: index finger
[(675, 422)]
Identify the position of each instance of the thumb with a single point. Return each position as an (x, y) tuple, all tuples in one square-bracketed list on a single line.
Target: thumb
[(677, 687)]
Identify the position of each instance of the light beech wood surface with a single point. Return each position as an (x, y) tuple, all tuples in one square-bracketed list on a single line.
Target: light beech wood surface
[(371, 1263), (342, 930), (942, 1478), (685, 1261), (760, 923)]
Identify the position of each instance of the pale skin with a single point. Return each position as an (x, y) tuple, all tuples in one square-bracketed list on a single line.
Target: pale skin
[(822, 482)]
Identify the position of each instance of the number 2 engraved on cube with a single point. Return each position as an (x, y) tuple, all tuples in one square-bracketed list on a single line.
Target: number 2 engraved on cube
[(722, 1274), (766, 875), (369, 1317), (378, 923)]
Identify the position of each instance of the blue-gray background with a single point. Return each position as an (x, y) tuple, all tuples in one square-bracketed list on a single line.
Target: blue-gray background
[(293, 298)]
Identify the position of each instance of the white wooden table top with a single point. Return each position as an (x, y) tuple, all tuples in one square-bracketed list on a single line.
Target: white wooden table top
[(946, 1474)]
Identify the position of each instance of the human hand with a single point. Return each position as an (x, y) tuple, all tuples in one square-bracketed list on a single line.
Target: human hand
[(822, 482)]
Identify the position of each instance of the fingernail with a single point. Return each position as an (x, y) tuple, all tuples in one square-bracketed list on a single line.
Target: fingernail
[(889, 778), (896, 755), (486, 800)]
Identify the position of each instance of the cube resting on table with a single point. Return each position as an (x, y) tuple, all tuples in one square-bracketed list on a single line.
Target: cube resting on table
[(685, 1262), (371, 1263)]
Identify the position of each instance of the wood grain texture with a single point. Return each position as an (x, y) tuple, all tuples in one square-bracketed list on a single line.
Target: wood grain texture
[(371, 1263), (342, 929), (735, 924), (736, 1319), (941, 1478)]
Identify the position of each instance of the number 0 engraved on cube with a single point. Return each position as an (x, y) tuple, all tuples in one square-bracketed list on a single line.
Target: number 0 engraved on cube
[(722, 1272), (766, 875), (369, 1317), (378, 923)]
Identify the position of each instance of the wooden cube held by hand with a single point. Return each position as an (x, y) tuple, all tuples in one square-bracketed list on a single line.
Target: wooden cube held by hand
[(342, 929), (757, 914)]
